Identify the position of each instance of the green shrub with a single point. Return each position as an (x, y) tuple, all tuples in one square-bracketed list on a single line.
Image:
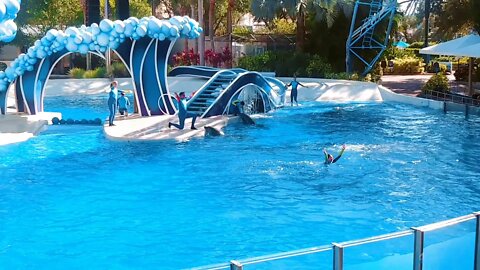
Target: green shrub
[(444, 59), (77, 73), (118, 70), (438, 82), (99, 72), (343, 76), (284, 26), (461, 73), (263, 62), (287, 64), (406, 66), (242, 30), (318, 67), (89, 74), (377, 73), (420, 45), (394, 53)]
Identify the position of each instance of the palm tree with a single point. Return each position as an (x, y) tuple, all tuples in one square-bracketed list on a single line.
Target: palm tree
[(231, 5), (322, 10), (211, 21), (91, 14), (123, 9), (91, 11)]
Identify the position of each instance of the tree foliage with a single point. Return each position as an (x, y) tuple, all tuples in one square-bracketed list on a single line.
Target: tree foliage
[(454, 17), (325, 11), (451, 17), (37, 17), (322, 10), (138, 8)]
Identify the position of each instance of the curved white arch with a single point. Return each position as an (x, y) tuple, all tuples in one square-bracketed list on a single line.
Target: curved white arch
[(258, 88), (50, 73)]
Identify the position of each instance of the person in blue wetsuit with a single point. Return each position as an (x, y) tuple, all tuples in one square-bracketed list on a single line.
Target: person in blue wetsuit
[(123, 104), (238, 107), (294, 84), (112, 102), (182, 112), (329, 158)]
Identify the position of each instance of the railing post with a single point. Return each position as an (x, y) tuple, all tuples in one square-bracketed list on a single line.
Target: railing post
[(476, 265), (418, 249), (235, 265), (337, 256)]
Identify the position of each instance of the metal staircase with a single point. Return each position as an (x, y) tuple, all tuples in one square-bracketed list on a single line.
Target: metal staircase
[(367, 36), (207, 95), (374, 9)]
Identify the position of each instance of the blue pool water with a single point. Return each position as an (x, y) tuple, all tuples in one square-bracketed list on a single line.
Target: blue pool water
[(70, 198)]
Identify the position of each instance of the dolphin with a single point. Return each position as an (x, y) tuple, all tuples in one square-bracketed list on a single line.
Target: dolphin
[(211, 131), (246, 119)]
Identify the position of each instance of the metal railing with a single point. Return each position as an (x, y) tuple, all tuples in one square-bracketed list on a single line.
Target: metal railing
[(452, 97), (338, 248)]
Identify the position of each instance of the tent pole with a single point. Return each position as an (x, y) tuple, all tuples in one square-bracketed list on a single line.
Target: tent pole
[(470, 83)]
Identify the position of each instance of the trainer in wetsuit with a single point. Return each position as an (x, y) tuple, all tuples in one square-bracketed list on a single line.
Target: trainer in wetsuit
[(112, 102), (294, 84), (329, 158), (182, 112), (238, 107), (123, 104)]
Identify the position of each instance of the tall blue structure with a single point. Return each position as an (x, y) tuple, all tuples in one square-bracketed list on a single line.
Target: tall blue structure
[(369, 35)]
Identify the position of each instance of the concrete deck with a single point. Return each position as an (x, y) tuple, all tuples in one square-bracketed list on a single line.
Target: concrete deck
[(15, 128), (156, 128)]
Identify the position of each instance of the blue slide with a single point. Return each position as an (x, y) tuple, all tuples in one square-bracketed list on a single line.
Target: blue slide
[(225, 85)]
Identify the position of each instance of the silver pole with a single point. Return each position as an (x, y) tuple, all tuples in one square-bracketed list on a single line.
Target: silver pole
[(236, 265), (476, 264), (418, 249), (337, 256)]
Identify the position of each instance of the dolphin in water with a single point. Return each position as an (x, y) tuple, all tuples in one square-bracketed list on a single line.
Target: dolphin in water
[(246, 119), (213, 132)]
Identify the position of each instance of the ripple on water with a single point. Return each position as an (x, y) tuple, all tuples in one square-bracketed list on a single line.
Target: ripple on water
[(70, 197)]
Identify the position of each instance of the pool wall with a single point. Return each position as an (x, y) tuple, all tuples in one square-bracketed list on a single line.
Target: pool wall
[(388, 95), (316, 89)]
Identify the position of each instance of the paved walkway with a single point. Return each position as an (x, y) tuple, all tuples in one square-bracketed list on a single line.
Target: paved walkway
[(405, 84), (412, 84)]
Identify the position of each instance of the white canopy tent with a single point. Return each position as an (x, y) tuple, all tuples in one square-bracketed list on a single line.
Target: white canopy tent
[(466, 46), (456, 47), (471, 51)]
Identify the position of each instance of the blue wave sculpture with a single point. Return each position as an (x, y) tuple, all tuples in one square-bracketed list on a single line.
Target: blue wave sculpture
[(8, 12), (142, 44)]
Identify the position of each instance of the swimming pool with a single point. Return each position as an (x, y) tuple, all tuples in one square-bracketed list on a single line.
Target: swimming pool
[(72, 198)]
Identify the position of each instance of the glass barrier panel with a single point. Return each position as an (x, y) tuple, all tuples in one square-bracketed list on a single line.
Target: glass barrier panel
[(391, 254), (213, 267), (450, 247), (318, 261)]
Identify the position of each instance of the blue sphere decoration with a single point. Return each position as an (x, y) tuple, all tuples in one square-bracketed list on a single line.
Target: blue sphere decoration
[(55, 121), (97, 37)]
